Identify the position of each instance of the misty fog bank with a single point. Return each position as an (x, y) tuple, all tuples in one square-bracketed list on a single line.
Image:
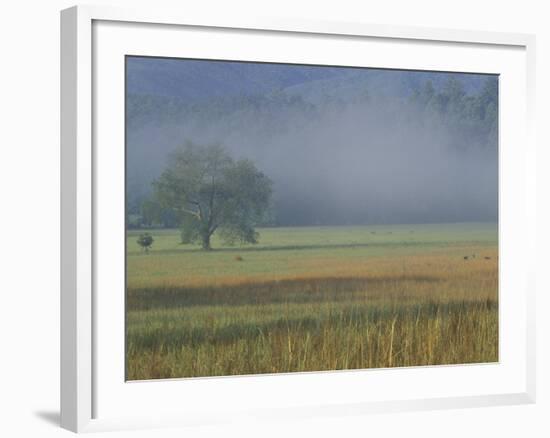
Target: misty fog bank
[(366, 160)]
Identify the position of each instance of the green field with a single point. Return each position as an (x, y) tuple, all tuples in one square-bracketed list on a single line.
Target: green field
[(313, 298)]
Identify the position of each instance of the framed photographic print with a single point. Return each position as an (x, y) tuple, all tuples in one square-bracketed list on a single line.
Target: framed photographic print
[(257, 208)]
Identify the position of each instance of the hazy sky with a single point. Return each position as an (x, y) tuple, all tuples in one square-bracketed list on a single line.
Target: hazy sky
[(342, 145)]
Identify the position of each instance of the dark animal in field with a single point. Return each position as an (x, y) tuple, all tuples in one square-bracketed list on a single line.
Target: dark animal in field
[(473, 256), (466, 257), (487, 258), (239, 258)]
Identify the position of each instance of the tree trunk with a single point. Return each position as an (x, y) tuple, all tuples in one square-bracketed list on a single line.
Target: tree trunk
[(206, 242)]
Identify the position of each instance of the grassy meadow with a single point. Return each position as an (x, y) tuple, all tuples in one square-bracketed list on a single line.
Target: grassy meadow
[(312, 299)]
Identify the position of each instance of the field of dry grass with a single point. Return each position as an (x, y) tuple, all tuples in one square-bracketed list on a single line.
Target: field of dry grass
[(312, 299)]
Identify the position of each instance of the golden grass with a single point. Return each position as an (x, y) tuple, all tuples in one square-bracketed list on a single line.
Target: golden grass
[(343, 311), (327, 336), (439, 264)]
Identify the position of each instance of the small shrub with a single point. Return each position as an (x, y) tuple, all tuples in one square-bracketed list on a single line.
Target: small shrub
[(145, 240)]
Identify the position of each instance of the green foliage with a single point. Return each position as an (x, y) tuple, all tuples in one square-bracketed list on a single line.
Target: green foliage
[(133, 220), (473, 118), (209, 191), (145, 240), (189, 232), (150, 212)]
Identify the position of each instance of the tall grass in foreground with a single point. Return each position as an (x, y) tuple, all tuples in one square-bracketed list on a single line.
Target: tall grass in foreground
[(313, 324)]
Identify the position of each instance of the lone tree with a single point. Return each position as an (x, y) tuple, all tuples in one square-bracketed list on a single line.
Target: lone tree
[(209, 191), (145, 240)]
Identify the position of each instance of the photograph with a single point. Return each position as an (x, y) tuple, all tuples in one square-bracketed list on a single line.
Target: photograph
[(285, 218)]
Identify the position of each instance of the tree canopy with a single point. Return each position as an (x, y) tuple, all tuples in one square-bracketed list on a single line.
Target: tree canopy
[(209, 191), (145, 240), (471, 119)]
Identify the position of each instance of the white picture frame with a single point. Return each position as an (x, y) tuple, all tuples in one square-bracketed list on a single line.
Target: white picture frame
[(86, 380)]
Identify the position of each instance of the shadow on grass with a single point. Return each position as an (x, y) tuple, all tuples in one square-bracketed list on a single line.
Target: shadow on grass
[(252, 248), (297, 290)]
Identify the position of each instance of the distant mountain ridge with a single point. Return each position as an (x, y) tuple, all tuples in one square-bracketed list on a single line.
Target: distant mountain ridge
[(198, 80), (194, 81)]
